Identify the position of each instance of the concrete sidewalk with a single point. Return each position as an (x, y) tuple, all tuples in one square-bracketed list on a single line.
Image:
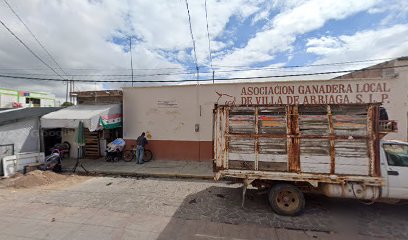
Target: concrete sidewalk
[(154, 168)]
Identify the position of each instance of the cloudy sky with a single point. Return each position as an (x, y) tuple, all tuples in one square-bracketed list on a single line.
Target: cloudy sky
[(90, 39)]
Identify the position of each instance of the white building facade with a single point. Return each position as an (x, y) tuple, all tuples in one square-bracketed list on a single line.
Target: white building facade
[(10, 98), (178, 120)]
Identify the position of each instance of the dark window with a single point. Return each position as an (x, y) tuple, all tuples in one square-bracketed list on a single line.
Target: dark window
[(397, 154), (383, 114), (34, 101)]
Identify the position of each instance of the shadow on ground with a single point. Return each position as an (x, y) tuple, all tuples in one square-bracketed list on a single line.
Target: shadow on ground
[(223, 205)]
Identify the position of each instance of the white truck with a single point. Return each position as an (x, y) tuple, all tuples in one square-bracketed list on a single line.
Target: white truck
[(335, 150)]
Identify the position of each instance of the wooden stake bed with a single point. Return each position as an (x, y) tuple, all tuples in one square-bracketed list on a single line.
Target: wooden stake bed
[(323, 143)]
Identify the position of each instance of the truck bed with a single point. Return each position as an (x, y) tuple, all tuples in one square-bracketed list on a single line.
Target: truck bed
[(315, 143)]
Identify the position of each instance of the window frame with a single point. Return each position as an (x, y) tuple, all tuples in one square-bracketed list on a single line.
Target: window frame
[(391, 162)]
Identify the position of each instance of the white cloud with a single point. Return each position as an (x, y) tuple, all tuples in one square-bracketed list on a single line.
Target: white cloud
[(288, 24), (79, 35), (277, 5), (397, 9), (370, 44), (323, 45), (164, 24)]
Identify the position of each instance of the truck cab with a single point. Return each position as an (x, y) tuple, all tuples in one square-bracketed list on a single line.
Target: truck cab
[(394, 169)]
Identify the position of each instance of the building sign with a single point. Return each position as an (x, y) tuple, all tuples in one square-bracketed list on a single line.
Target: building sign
[(319, 93), (24, 94), (167, 104)]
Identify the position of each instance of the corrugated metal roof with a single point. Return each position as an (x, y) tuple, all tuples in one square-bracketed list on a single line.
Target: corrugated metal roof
[(22, 113)]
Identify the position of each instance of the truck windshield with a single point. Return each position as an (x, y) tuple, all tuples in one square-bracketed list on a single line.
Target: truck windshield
[(397, 154)]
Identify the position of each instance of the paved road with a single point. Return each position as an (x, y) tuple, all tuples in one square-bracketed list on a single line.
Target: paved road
[(126, 208)]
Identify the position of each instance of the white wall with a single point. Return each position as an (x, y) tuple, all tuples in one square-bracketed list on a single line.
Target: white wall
[(47, 102), (402, 94), (68, 135), (6, 101), (170, 112), (23, 134)]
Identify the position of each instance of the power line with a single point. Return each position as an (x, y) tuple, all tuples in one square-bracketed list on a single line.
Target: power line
[(105, 75), (131, 57), (208, 36), (29, 49), (243, 67), (100, 69), (299, 66), (36, 39), (69, 83), (129, 75), (192, 38), (189, 73), (207, 80), (310, 65)]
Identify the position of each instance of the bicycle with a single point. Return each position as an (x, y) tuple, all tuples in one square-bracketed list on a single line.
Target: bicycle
[(130, 155)]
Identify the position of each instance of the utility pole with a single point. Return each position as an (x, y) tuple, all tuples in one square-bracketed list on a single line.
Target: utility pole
[(66, 93), (198, 75), (131, 58), (71, 87)]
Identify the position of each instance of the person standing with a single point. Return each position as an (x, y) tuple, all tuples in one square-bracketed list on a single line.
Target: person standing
[(140, 144)]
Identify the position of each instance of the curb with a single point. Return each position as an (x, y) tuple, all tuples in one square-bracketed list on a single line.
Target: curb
[(135, 174)]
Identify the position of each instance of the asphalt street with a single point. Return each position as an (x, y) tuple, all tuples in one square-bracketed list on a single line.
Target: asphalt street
[(149, 208)]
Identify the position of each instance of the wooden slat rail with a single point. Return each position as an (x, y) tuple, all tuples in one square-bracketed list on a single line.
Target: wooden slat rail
[(332, 142), (325, 139)]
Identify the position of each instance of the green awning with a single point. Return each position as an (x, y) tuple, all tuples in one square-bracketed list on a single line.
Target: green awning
[(80, 137)]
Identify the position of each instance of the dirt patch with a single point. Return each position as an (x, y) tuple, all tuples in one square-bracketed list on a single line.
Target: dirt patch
[(34, 179)]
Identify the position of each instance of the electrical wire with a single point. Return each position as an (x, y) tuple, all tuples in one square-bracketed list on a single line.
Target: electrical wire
[(208, 36), (206, 80), (185, 73), (99, 69), (128, 75), (163, 74), (104, 75), (131, 57), (29, 49), (36, 39), (192, 38), (244, 68), (310, 65), (41, 45)]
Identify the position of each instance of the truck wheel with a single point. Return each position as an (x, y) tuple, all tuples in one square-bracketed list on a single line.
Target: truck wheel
[(286, 199)]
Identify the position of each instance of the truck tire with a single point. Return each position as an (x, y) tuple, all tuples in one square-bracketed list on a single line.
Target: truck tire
[(286, 199)]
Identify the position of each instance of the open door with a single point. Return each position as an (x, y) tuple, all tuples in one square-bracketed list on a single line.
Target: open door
[(397, 169)]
